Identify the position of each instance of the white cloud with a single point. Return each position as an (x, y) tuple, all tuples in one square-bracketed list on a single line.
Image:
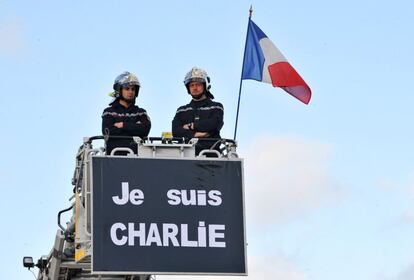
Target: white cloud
[(405, 188), (259, 268), (11, 37), (408, 216), (407, 274), (287, 178), (274, 268), (410, 184)]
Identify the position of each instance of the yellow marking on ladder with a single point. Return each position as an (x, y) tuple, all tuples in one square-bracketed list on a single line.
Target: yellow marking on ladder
[(79, 254)]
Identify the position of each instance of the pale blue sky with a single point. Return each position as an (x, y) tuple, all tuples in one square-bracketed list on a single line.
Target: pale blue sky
[(329, 186)]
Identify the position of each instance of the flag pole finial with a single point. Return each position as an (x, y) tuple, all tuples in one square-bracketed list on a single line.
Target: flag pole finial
[(250, 11)]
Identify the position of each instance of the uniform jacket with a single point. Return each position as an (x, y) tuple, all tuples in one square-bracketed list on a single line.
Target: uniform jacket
[(136, 123), (206, 115)]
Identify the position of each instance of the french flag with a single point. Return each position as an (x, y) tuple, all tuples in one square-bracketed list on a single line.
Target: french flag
[(263, 62)]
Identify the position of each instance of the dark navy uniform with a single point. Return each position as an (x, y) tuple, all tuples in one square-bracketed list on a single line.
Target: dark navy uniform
[(206, 115), (136, 123)]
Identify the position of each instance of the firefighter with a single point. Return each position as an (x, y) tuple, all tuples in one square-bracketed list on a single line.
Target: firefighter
[(123, 117), (202, 117)]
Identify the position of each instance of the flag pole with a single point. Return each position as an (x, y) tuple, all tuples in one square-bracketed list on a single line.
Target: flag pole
[(241, 76)]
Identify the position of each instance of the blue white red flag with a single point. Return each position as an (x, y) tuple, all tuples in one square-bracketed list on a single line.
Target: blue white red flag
[(263, 62)]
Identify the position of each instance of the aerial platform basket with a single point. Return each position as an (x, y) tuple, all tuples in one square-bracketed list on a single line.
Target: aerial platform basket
[(158, 210)]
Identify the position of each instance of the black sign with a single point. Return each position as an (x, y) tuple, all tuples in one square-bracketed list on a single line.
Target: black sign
[(167, 216)]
